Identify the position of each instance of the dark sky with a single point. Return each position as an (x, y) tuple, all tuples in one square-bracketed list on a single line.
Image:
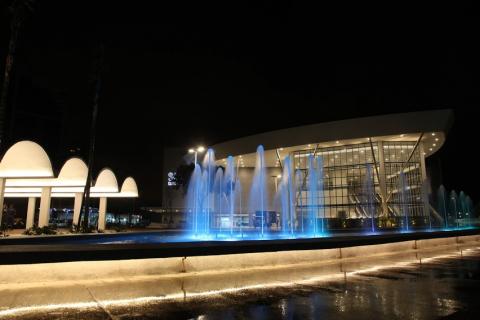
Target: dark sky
[(203, 72)]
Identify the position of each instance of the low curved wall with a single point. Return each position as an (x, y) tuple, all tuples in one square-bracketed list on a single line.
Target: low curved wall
[(175, 266)]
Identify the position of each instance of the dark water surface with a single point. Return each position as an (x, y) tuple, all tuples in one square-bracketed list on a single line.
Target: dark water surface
[(443, 288)]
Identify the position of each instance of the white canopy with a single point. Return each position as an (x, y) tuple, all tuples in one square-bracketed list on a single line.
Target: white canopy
[(26, 159), (73, 174)]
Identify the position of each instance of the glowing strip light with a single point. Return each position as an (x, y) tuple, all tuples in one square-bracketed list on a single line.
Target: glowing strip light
[(179, 296), (345, 149), (339, 150), (406, 170), (70, 195)]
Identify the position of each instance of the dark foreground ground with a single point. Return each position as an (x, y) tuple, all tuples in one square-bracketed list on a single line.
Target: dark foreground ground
[(443, 288)]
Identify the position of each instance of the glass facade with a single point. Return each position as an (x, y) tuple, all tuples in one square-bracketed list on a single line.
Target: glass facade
[(356, 179), (405, 194)]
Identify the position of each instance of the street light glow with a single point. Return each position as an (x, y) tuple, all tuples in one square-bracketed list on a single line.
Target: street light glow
[(191, 150), (200, 149)]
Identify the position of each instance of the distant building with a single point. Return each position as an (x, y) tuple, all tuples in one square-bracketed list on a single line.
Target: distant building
[(349, 150)]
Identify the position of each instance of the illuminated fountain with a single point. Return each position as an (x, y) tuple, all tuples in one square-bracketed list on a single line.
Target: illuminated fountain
[(299, 180), (286, 194), (442, 204), (402, 198), (300, 197), (426, 200), (208, 181), (368, 196), (450, 206), (258, 200), (201, 195), (214, 199), (315, 196), (465, 209), (469, 207), (454, 207), (238, 205), (218, 200), (195, 201), (229, 180), (216, 209)]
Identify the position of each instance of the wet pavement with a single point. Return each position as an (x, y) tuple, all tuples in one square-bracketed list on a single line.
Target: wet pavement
[(440, 288)]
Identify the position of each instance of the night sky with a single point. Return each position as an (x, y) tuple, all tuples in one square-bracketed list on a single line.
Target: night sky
[(204, 72)]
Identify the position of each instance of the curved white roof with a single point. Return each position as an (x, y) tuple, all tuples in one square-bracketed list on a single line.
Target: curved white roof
[(26, 159), (105, 182), (351, 131), (129, 188), (27, 168), (74, 172)]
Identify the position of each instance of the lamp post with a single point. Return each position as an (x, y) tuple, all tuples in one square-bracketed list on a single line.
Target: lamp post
[(195, 151)]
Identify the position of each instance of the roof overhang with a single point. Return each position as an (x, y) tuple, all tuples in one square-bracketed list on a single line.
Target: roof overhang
[(351, 129), (394, 127)]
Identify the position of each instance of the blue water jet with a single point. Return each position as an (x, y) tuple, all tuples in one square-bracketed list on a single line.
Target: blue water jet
[(369, 197), (402, 198), (258, 201)]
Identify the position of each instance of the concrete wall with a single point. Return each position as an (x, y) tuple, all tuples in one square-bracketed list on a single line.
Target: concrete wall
[(88, 270), (176, 198), (172, 158)]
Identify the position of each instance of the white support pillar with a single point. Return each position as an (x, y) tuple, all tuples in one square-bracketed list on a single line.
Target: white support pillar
[(2, 195), (77, 207), (102, 210), (44, 215), (30, 212), (423, 169)]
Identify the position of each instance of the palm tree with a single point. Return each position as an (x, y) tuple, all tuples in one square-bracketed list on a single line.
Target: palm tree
[(19, 10), (91, 152)]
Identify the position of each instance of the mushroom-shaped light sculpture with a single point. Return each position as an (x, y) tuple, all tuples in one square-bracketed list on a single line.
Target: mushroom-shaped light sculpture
[(73, 173), (27, 159), (106, 182), (72, 178), (128, 190), (105, 185)]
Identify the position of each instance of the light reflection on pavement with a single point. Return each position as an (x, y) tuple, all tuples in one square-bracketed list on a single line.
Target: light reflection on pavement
[(397, 287)]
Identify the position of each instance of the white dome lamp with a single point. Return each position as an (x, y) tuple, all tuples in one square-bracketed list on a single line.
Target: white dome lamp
[(27, 159), (105, 184)]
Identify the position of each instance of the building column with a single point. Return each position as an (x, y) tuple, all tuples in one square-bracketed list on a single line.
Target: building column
[(44, 215), (423, 169), (30, 212), (77, 207), (102, 210), (382, 178), (2, 197)]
